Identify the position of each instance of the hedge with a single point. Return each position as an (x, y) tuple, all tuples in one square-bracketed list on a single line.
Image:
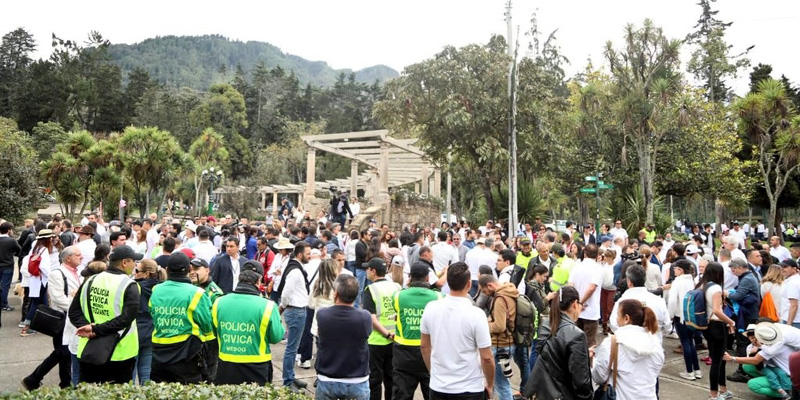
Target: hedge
[(172, 391)]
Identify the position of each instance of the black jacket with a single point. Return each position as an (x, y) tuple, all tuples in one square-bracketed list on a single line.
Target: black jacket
[(535, 262), (562, 371), (222, 271)]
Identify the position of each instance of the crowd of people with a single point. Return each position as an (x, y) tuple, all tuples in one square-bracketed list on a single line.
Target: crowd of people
[(446, 308)]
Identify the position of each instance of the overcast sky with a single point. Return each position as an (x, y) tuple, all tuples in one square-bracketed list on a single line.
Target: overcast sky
[(360, 33)]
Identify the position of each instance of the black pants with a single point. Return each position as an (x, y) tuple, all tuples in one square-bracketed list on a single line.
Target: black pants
[(306, 349), (742, 342), (211, 354), (26, 303), (716, 336), (185, 372), (409, 371), (111, 372), (60, 357), (460, 396), (380, 371), (236, 374)]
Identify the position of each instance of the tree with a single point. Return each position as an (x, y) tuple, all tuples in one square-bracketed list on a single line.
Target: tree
[(68, 173), (151, 160), (645, 86), (15, 59), (18, 190), (770, 121), (206, 151), (45, 136)]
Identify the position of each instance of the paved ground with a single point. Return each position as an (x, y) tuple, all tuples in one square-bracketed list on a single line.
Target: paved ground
[(19, 357)]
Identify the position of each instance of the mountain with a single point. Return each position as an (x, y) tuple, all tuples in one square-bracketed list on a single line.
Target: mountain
[(199, 61)]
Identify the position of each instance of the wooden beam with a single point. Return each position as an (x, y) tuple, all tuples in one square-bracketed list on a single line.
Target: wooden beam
[(341, 153), (380, 134), (377, 151), (351, 145), (406, 147)]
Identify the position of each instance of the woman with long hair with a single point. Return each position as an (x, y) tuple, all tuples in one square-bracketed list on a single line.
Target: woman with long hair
[(683, 283), (562, 369), (41, 254), (772, 283), (147, 274), (608, 290), (350, 251), (639, 354), (101, 253), (719, 326), (322, 289)]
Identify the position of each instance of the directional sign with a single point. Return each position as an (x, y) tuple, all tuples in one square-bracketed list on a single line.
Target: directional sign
[(588, 190), (605, 186), (590, 178)]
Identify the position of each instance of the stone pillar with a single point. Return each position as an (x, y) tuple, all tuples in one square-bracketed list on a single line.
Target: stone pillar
[(437, 182), (311, 165), (370, 190), (383, 188), (263, 200), (425, 176), (416, 187), (353, 178), (275, 203)]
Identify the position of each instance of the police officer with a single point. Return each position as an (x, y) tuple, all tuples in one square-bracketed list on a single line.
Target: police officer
[(378, 298), (246, 325), (201, 276), (181, 318), (409, 368), (106, 305)]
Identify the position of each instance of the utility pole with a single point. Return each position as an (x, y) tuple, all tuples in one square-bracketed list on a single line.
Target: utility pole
[(512, 128)]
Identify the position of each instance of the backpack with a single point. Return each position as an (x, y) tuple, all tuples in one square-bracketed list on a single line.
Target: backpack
[(768, 308), (694, 310), (525, 321), (33, 264)]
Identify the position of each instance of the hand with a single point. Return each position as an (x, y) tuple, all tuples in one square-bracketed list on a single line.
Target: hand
[(667, 286), (489, 394), (727, 357), (591, 351), (86, 331), (550, 296), (731, 329)]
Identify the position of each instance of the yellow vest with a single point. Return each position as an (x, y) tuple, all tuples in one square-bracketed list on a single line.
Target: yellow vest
[(106, 298), (383, 295)]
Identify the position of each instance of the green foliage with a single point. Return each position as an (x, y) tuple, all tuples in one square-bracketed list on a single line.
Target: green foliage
[(629, 206), (68, 173), (15, 58), (45, 136), (195, 61), (18, 192), (171, 391), (531, 201)]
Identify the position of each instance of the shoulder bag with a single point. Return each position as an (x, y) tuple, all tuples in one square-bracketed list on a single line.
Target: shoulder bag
[(99, 349), (48, 320), (606, 391)]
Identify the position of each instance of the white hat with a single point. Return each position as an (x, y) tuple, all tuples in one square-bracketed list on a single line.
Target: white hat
[(191, 226), (768, 333), (283, 243), (692, 249), (397, 260), (480, 240), (316, 252)]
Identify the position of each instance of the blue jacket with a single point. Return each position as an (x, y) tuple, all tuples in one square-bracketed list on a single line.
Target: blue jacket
[(748, 295), (252, 248)]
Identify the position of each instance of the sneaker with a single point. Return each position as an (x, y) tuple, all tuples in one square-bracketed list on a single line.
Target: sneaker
[(698, 374), (687, 375), (673, 335), (299, 384), (726, 395), (8, 308), (293, 388), (305, 364), (678, 350), (27, 331), (21, 325), (29, 384), (738, 376)]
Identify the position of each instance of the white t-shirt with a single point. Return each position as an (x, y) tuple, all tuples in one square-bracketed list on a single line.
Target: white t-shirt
[(457, 331), (584, 274), (791, 290), (712, 289), (780, 252), (618, 233), (443, 255), (478, 256)]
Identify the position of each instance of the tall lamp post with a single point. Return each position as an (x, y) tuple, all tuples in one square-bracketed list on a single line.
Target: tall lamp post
[(211, 177)]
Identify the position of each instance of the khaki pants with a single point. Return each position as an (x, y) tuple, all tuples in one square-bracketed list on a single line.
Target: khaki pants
[(589, 327)]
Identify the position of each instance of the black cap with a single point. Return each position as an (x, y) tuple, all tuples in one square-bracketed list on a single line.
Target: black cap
[(419, 271), (178, 262), (124, 252), (375, 263), (199, 262), (789, 263), (253, 265)]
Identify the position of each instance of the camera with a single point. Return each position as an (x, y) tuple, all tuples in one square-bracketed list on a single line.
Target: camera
[(504, 361)]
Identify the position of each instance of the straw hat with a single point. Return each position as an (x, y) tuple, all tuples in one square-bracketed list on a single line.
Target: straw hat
[(768, 333), (283, 243), (44, 234)]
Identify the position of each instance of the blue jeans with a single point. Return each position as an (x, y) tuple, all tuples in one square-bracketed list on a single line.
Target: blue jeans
[(532, 360), (686, 337), (502, 386), (76, 370), (522, 361), (473, 290), (794, 324), (6, 275), (351, 266), (295, 319), (361, 275), (35, 301), (338, 390), (143, 364)]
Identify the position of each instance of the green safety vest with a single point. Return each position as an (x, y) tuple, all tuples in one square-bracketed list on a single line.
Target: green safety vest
[(382, 294), (649, 236), (108, 292), (243, 323), (180, 310), (523, 260), (561, 272), (409, 305), (213, 292)]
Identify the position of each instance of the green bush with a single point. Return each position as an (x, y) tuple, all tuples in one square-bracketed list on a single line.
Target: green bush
[(172, 391)]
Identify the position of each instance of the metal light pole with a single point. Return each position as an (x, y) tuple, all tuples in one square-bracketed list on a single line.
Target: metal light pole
[(211, 177), (512, 128)]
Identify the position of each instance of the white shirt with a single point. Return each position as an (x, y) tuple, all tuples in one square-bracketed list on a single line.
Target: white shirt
[(205, 250), (780, 252), (736, 253), (479, 255), (279, 263), (311, 270), (639, 362), (777, 354), (505, 277), (583, 275), (680, 286), (619, 233), (457, 331), (731, 281), (776, 291), (760, 228), (355, 208), (791, 290), (294, 290), (443, 255), (739, 234), (652, 302), (152, 239), (87, 251)]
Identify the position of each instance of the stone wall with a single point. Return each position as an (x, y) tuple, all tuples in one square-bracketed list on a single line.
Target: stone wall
[(420, 212)]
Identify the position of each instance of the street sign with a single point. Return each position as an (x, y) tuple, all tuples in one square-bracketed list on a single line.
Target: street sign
[(606, 186), (590, 178), (588, 190)]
